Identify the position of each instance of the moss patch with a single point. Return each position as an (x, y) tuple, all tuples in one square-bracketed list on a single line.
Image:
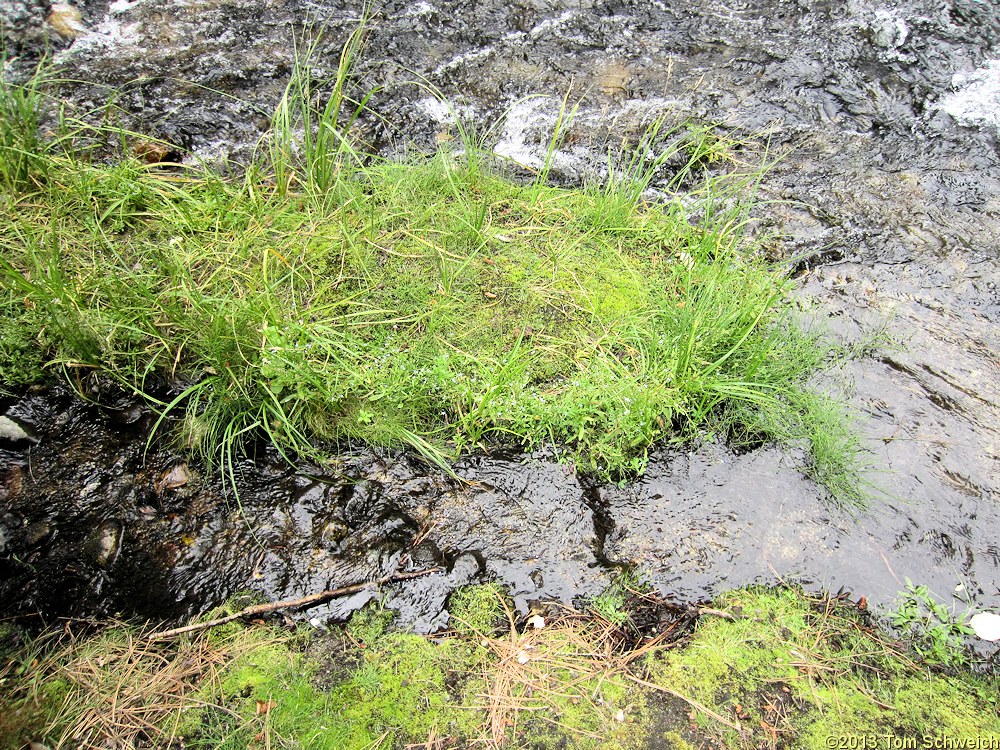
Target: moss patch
[(789, 671), (479, 609), (792, 671)]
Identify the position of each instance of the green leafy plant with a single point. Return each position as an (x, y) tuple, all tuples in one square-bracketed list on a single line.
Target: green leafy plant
[(935, 631), (612, 604)]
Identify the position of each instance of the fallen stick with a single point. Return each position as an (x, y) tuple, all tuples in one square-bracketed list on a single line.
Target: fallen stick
[(716, 613), (305, 601)]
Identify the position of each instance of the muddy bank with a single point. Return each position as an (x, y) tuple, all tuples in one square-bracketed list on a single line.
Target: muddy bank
[(890, 194)]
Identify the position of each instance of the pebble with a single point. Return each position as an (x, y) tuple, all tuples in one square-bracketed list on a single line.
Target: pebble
[(465, 568), (66, 21), (105, 543), (36, 533), (176, 476)]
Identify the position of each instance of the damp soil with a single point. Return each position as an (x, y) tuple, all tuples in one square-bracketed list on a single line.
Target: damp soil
[(887, 198)]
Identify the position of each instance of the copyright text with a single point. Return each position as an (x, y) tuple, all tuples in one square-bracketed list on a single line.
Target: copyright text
[(926, 742)]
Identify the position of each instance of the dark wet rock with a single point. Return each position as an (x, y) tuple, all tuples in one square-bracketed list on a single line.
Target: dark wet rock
[(23, 23), (128, 414), (699, 521), (425, 554), (529, 505)]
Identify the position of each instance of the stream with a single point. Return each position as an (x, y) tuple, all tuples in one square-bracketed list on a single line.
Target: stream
[(887, 196)]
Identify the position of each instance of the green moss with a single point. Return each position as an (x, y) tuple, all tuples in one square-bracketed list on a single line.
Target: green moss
[(401, 689), (370, 623), (812, 669), (791, 671), (675, 741), (479, 609), (397, 693)]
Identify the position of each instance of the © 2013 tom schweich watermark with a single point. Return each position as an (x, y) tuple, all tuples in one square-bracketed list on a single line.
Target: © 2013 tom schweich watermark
[(925, 742)]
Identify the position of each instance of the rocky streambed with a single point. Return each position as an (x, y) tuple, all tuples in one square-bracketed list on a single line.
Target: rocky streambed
[(887, 195)]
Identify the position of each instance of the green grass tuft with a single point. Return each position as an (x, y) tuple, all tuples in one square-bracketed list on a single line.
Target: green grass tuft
[(434, 303)]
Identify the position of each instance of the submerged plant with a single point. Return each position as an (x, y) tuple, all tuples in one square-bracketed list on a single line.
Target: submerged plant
[(23, 149)]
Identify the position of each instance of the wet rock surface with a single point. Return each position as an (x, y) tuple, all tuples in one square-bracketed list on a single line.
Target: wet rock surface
[(890, 195)]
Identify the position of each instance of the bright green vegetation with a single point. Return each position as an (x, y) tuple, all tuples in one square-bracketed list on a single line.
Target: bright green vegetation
[(795, 671), (787, 672), (328, 294), (238, 688), (479, 609), (613, 604), (397, 690), (936, 632)]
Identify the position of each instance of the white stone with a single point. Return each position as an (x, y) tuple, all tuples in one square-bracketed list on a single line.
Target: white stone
[(890, 30), (986, 625), (12, 431)]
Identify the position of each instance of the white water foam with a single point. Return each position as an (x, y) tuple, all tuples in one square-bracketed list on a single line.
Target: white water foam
[(976, 98), (445, 113), (520, 118)]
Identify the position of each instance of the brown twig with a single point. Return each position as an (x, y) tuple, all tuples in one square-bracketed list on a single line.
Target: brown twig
[(305, 601), (716, 613)]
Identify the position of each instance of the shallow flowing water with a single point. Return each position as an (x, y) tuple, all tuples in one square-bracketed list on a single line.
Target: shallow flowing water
[(890, 195)]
